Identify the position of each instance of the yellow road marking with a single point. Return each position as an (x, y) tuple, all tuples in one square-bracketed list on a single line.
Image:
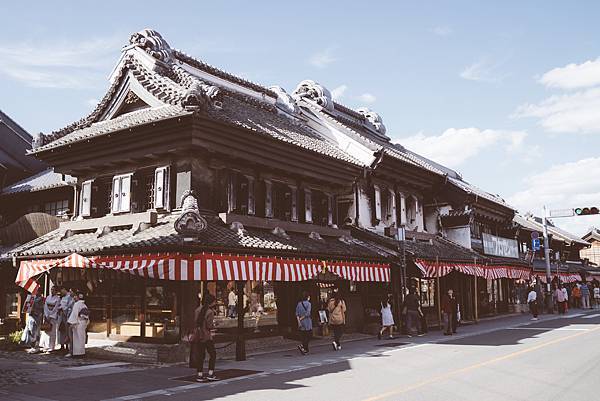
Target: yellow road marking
[(475, 366)]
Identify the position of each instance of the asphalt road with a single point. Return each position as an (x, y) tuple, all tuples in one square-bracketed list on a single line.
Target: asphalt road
[(551, 359)]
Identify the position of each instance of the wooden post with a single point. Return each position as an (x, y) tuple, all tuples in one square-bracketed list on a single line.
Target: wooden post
[(240, 342), (439, 292), (476, 298)]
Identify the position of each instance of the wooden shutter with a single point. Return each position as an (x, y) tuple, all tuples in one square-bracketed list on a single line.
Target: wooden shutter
[(329, 210), (294, 204), (251, 197), (125, 193), (86, 199), (308, 205), (377, 203), (161, 188), (116, 195), (268, 199)]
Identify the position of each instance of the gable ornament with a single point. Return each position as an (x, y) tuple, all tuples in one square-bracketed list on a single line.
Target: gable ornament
[(190, 223)]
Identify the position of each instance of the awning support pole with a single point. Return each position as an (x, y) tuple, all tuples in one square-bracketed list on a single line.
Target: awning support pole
[(439, 292), (476, 295), (240, 342)]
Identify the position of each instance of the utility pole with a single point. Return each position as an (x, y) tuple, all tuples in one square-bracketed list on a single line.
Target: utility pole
[(547, 252)]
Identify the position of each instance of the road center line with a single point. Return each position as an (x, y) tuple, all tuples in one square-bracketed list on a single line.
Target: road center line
[(591, 316), (98, 365), (475, 366), (548, 328)]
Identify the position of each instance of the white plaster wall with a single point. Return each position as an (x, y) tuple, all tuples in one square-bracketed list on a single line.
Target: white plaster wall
[(459, 235)]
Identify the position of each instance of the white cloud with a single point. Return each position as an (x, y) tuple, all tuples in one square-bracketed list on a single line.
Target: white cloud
[(573, 76), (566, 185), (323, 58), (482, 71), (577, 112), (367, 98), (442, 30), (456, 145), (63, 64), (338, 92)]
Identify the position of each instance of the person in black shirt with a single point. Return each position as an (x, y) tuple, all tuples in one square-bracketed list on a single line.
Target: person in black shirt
[(413, 312)]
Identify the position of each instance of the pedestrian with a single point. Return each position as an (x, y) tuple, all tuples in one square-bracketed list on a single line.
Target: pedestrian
[(202, 339), (51, 316), (561, 299), (34, 308), (533, 304), (585, 296), (596, 296), (303, 315), (449, 309), (66, 306), (413, 312), (78, 320), (576, 296), (232, 304), (387, 318), (337, 318)]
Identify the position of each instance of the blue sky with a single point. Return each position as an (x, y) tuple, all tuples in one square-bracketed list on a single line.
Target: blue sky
[(507, 93)]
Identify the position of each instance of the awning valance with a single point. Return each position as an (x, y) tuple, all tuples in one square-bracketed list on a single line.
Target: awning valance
[(207, 267), (564, 277), (440, 269)]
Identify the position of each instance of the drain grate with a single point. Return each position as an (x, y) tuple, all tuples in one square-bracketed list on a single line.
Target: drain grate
[(392, 344), (221, 374)]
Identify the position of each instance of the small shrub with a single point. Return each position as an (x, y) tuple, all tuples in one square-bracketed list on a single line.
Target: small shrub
[(15, 337)]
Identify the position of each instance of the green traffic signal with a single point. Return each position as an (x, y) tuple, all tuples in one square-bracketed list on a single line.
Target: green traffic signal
[(586, 211)]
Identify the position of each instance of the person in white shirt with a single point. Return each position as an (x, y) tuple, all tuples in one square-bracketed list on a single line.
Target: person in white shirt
[(51, 314), (532, 301), (232, 304), (79, 319)]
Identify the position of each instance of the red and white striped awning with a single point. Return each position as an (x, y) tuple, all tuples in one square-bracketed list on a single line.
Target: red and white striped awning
[(440, 269), (207, 267), (564, 277)]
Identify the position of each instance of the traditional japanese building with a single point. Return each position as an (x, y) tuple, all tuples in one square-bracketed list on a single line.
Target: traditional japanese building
[(189, 178)]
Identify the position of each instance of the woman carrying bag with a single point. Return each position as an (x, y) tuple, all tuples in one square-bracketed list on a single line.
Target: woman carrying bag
[(337, 319), (202, 340)]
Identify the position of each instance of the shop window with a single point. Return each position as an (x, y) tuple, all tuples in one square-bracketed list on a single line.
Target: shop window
[(426, 292), (58, 208), (85, 203), (161, 312), (121, 190)]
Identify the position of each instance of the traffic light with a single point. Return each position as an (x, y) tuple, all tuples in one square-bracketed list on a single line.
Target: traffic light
[(584, 211)]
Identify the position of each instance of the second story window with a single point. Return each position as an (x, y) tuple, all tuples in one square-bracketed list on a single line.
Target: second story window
[(85, 203), (121, 194), (161, 188)]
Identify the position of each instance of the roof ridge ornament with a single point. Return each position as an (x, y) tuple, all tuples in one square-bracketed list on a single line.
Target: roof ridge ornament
[(315, 92), (372, 120), (190, 223), (198, 95), (153, 43), (284, 100)]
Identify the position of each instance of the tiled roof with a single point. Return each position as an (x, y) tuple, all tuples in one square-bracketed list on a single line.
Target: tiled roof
[(163, 237), (46, 179), (472, 189), (127, 120), (259, 119), (559, 234)]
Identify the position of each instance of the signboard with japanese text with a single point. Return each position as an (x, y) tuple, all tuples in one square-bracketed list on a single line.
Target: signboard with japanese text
[(499, 246)]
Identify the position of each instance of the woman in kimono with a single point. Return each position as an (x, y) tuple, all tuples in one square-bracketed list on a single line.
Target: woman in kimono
[(78, 320), (51, 314)]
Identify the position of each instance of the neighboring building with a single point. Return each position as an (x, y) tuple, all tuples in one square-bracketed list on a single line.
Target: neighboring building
[(29, 191), (565, 249), (198, 180), (592, 254)]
